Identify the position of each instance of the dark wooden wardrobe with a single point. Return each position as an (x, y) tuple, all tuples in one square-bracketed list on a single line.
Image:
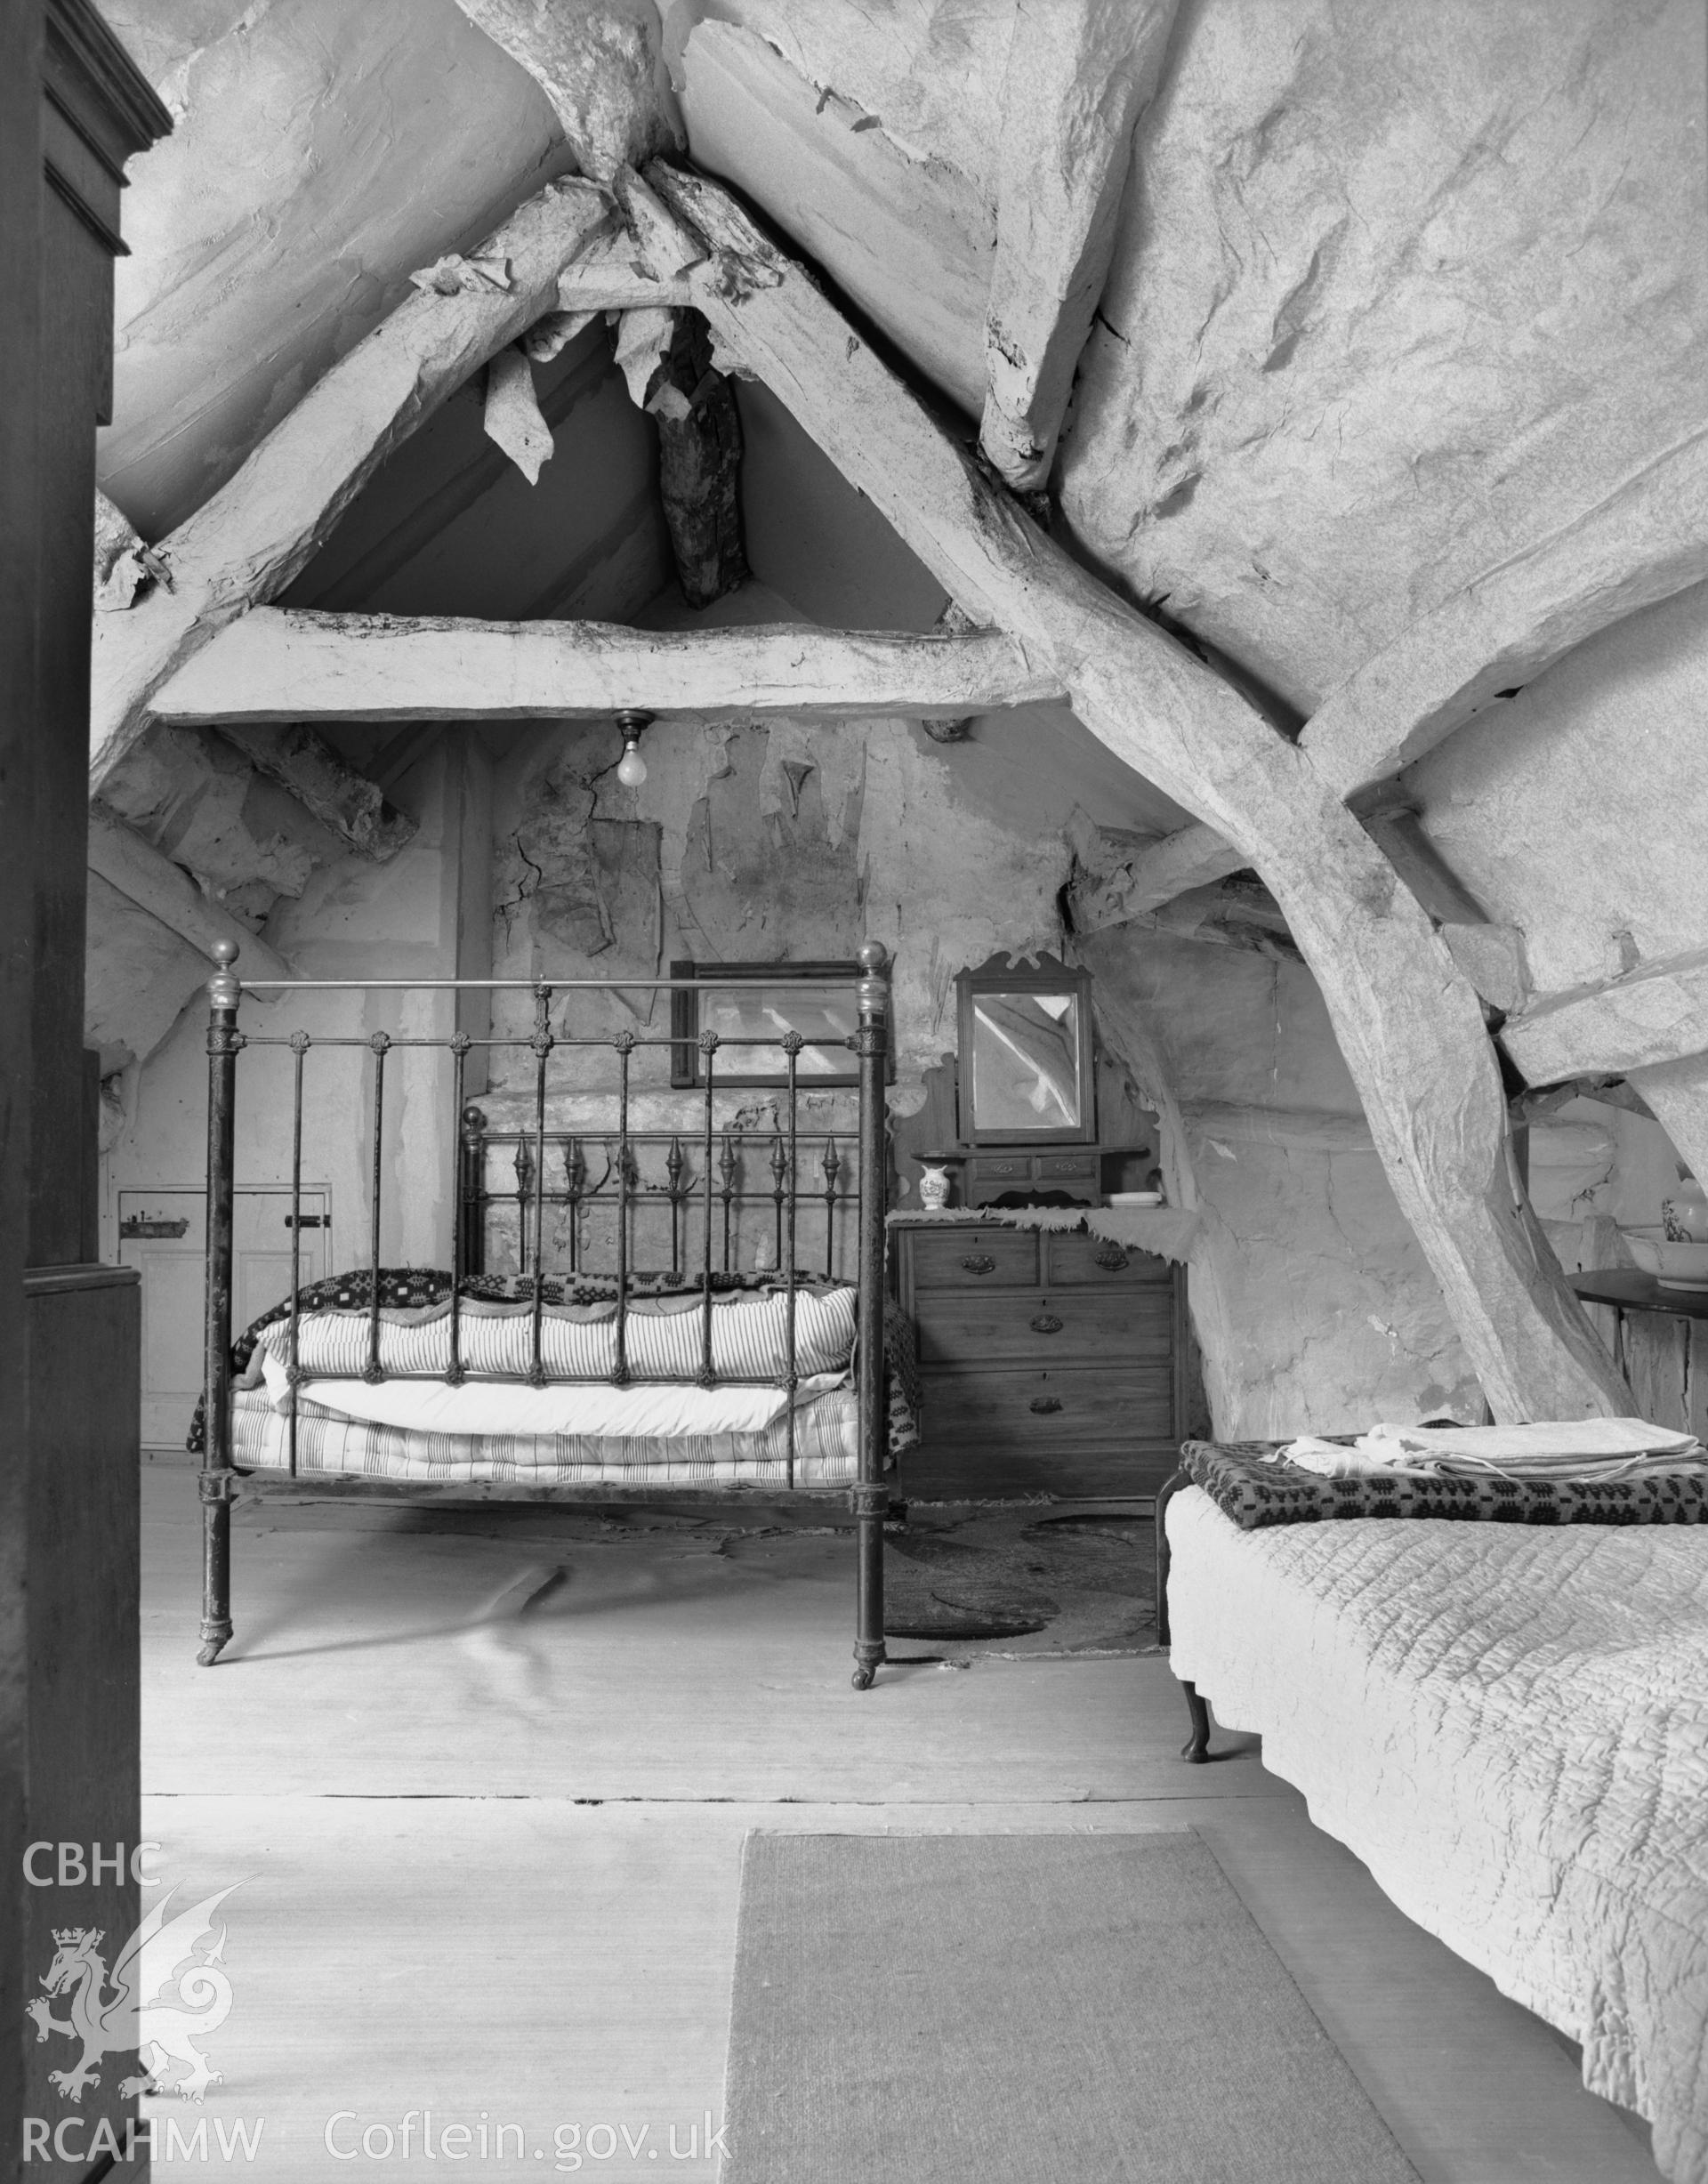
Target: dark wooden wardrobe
[(73, 108)]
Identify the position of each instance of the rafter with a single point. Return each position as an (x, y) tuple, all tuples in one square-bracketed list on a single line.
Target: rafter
[(1408, 1024), (1191, 857), (245, 543), (610, 276), (139, 872), (281, 665), (600, 67), (1080, 72), (1644, 543), (346, 802), (1657, 1014)]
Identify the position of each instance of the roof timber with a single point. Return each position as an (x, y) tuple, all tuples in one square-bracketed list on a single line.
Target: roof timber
[(244, 545), (1643, 544), (151, 881), (344, 801), (286, 665), (1655, 1014), (1191, 857), (1409, 1023), (1079, 74)]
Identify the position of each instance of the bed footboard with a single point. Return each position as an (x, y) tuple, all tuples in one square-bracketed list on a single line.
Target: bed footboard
[(871, 1496), (624, 1197), (217, 1481)]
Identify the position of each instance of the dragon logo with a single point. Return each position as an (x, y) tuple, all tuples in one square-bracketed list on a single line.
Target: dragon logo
[(139, 2016)]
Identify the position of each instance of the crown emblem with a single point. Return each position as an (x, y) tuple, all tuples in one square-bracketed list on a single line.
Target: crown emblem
[(68, 1936)]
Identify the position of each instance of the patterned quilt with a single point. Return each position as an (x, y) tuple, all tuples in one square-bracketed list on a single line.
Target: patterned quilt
[(1510, 1727), (406, 1289), (1254, 1493)]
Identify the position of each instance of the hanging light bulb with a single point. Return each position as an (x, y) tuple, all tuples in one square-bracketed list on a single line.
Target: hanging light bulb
[(631, 767)]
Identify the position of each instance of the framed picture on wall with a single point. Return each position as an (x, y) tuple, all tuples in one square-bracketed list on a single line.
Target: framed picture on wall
[(751, 1006)]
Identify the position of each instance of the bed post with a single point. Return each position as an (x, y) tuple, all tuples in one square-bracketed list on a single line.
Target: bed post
[(871, 1496), (217, 1481), (1197, 1747), (471, 1182)]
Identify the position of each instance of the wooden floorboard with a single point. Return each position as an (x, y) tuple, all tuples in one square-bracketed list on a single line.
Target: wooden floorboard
[(488, 1846)]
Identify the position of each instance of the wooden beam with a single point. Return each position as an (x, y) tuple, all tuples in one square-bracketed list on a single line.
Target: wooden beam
[(1395, 828), (138, 870), (611, 276), (346, 802), (912, 241), (1080, 72), (283, 665), (1492, 958), (245, 545), (1646, 541), (1653, 1015), (1408, 1024), (601, 68), (699, 465), (1192, 857), (1306, 1130), (1609, 1092)]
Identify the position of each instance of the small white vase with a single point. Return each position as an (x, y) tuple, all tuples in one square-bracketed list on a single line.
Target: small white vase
[(934, 1189)]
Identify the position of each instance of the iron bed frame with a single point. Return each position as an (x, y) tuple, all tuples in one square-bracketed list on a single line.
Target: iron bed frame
[(621, 1190)]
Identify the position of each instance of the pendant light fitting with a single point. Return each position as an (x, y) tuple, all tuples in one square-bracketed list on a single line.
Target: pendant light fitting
[(631, 767)]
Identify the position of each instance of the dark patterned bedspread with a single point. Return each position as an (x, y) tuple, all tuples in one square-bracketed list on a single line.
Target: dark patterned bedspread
[(417, 1288), (1254, 1493)]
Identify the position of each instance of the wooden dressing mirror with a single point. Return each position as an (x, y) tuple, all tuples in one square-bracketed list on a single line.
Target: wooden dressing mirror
[(1025, 1074)]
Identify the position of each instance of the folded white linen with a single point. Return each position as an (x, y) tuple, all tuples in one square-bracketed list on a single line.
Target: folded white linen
[(1569, 1449), (1547, 1438), (655, 1410), (1330, 1459)]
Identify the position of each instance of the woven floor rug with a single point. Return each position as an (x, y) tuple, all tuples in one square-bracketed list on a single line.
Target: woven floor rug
[(1025, 2010)]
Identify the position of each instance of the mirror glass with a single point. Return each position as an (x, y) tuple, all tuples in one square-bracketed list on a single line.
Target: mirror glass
[(1026, 1061), (758, 1012)]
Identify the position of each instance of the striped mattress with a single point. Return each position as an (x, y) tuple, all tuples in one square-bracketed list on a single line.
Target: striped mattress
[(329, 1444)]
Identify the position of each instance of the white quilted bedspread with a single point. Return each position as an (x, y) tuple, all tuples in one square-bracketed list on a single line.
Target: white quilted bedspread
[(1510, 1727)]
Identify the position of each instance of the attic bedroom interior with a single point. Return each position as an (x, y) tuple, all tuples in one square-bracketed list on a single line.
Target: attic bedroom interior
[(855, 1024)]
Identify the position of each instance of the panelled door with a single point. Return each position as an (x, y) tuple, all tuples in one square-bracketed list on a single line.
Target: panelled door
[(162, 1234)]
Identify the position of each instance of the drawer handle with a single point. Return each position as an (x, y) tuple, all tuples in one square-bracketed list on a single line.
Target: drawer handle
[(1045, 1404), (1046, 1322), (978, 1263), (1111, 1256)]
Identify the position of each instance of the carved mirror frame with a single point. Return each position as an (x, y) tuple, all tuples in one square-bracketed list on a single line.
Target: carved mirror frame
[(1003, 974)]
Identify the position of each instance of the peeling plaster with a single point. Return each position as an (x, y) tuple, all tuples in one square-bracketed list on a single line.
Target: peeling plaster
[(324, 152)]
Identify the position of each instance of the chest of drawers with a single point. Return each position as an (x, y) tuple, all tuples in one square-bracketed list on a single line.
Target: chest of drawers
[(1052, 1362)]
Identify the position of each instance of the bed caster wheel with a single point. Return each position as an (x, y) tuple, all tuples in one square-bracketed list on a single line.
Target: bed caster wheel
[(1194, 1753), (214, 1643), (862, 1675)]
